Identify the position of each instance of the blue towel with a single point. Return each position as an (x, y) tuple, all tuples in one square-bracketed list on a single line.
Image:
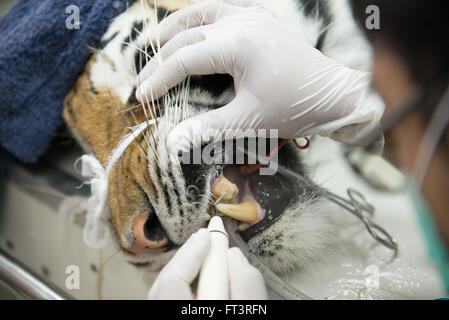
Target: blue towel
[(40, 59)]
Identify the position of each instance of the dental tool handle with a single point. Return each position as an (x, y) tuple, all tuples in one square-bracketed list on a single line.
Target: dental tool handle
[(213, 280)]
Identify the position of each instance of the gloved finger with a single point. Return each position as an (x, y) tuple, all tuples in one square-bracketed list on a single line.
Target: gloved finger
[(196, 59), (246, 282), (183, 39), (174, 280), (193, 132), (170, 288), (198, 14), (187, 262), (215, 125)]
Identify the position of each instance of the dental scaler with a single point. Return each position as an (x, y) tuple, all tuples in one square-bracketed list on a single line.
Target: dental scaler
[(213, 280)]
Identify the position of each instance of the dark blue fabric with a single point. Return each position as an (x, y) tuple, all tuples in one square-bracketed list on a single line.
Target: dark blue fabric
[(6, 159), (40, 59)]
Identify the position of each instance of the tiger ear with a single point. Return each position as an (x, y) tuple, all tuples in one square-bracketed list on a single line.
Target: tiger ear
[(79, 102), (79, 110), (92, 115)]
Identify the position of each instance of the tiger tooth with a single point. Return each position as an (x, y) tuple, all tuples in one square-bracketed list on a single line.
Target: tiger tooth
[(224, 189), (244, 212), (243, 226)]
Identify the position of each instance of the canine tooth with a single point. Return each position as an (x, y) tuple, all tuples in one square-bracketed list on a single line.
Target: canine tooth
[(224, 188), (244, 212), (243, 226)]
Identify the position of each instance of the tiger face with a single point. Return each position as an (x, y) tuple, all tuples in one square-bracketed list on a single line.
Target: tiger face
[(156, 202)]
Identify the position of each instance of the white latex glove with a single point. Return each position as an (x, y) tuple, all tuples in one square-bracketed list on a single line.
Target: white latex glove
[(281, 82), (245, 281), (173, 282)]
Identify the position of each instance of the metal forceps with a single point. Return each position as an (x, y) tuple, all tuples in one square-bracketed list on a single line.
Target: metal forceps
[(362, 209)]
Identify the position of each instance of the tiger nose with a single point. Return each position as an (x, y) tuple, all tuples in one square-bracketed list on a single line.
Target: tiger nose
[(148, 235)]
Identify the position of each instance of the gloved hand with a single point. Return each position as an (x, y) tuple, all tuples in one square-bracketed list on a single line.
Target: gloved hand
[(173, 282), (281, 82)]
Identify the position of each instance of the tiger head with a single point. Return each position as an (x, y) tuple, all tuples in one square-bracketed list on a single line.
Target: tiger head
[(156, 202)]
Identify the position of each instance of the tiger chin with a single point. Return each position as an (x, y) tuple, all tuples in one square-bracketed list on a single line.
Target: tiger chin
[(156, 202)]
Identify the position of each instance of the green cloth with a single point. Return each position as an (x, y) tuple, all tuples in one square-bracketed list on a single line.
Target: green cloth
[(438, 253)]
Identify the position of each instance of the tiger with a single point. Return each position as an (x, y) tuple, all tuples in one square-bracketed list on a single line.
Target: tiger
[(155, 203)]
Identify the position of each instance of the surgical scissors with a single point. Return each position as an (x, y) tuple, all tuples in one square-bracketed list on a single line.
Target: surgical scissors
[(357, 207)]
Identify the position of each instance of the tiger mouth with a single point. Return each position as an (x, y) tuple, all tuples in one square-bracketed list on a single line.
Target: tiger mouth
[(253, 201), (235, 199), (256, 201)]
